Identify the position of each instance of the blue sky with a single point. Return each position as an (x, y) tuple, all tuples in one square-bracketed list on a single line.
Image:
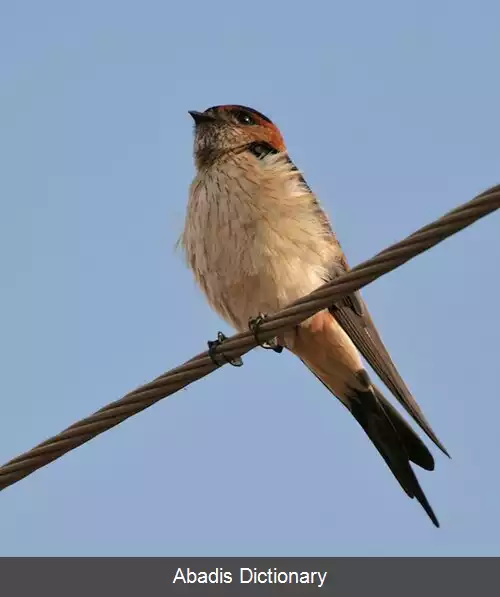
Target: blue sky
[(391, 110)]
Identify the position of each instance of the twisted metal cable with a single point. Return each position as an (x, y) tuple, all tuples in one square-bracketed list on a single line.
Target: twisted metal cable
[(239, 344)]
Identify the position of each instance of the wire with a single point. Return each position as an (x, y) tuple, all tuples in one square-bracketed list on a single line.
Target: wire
[(239, 344)]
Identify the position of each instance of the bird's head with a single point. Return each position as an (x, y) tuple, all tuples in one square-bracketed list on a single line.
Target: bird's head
[(231, 129)]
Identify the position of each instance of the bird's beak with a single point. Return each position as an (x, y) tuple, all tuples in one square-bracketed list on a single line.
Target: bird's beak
[(200, 117)]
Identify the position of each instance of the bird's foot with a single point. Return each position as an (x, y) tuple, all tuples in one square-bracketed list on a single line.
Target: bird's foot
[(254, 324), (221, 359)]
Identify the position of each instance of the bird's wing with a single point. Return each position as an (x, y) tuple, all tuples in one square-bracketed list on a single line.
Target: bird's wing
[(352, 315)]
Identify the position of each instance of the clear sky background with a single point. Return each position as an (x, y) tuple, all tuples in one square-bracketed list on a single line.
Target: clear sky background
[(392, 110)]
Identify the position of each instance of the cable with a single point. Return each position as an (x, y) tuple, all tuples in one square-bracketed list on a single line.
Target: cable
[(239, 344)]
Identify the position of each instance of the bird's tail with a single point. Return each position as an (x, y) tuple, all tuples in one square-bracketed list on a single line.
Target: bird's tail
[(396, 441), (394, 438), (329, 353)]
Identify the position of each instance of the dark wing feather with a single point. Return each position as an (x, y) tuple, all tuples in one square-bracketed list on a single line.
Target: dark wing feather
[(353, 316)]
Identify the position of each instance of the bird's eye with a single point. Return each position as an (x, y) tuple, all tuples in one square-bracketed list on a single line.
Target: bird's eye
[(244, 117), (261, 149)]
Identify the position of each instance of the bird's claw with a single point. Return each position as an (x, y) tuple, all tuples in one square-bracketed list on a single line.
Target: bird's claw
[(254, 324), (221, 359)]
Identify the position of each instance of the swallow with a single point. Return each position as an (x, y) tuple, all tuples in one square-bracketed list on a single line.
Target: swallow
[(257, 239)]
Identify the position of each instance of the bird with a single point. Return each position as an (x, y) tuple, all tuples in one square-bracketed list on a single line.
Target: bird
[(256, 239)]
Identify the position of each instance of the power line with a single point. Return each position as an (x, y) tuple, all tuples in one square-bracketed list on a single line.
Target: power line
[(239, 344)]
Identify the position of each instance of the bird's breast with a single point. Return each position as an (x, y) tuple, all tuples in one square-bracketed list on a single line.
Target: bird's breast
[(254, 241)]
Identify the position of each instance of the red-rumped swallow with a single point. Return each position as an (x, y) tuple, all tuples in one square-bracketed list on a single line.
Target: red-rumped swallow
[(257, 239)]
